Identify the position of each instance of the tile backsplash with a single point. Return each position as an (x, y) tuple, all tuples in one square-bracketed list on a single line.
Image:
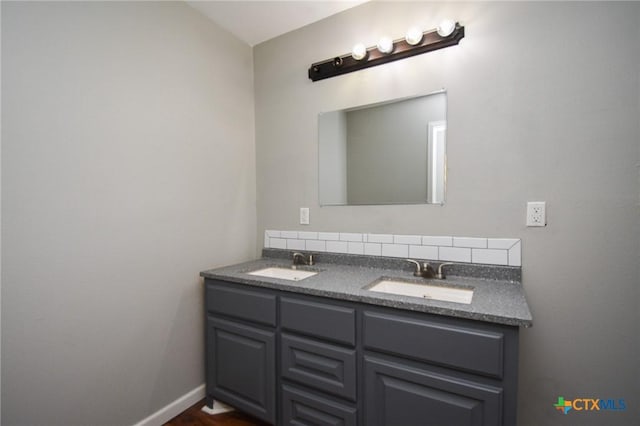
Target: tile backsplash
[(492, 251)]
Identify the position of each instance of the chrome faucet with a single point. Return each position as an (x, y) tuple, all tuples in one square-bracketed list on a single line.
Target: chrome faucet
[(423, 270), (301, 259), (440, 274)]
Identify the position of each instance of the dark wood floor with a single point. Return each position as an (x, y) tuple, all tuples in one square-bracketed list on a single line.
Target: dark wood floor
[(194, 416)]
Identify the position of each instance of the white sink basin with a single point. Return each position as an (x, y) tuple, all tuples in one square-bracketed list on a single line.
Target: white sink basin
[(423, 291), (283, 273)]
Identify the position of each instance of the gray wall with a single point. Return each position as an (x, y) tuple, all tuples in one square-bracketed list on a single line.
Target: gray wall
[(543, 104), (127, 168)]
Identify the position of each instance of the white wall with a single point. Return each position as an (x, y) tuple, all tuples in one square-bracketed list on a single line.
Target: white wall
[(542, 105), (127, 168)]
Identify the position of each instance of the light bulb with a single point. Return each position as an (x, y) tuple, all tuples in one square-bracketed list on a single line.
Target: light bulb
[(359, 52), (385, 45), (414, 36), (446, 27)]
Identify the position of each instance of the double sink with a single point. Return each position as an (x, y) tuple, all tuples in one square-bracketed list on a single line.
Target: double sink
[(402, 287)]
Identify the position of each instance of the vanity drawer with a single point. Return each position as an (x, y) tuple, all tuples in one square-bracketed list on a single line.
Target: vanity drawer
[(301, 407), (235, 301), (457, 346), (322, 366), (327, 321)]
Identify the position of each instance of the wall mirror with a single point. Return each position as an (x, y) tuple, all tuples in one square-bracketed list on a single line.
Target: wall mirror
[(385, 153)]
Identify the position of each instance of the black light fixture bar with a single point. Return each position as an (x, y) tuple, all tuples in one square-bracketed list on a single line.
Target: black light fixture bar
[(344, 64)]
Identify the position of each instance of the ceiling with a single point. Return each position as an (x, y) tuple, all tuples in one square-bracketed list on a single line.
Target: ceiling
[(258, 21)]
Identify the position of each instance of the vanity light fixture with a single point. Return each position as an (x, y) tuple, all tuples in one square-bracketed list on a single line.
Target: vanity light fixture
[(385, 45), (448, 33), (446, 27), (414, 36), (359, 52)]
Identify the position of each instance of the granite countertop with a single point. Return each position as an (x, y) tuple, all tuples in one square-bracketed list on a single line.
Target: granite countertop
[(494, 300)]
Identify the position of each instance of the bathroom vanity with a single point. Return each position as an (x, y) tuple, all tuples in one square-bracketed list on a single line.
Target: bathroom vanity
[(326, 349)]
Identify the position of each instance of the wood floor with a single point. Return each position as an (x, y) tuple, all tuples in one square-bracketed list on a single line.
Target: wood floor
[(194, 416)]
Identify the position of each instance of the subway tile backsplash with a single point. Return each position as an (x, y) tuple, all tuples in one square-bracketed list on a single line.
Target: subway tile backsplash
[(348, 236), (395, 250), (337, 246), (423, 252), (315, 245), (373, 249), (492, 251), (454, 254), (470, 242), (295, 244)]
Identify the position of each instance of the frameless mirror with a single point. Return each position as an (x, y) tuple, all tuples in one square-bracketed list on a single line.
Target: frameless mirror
[(385, 153)]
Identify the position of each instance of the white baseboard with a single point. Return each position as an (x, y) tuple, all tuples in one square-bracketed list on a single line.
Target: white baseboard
[(165, 414)]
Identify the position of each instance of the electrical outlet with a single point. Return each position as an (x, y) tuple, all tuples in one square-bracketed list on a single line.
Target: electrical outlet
[(304, 215), (536, 213)]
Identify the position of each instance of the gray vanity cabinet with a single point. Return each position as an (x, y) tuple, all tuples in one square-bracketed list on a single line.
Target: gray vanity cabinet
[(294, 359), (241, 349)]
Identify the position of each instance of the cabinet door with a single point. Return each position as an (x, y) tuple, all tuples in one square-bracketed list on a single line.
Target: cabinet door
[(241, 367), (400, 395)]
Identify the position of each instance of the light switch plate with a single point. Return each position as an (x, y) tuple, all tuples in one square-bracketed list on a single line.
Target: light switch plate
[(304, 215)]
